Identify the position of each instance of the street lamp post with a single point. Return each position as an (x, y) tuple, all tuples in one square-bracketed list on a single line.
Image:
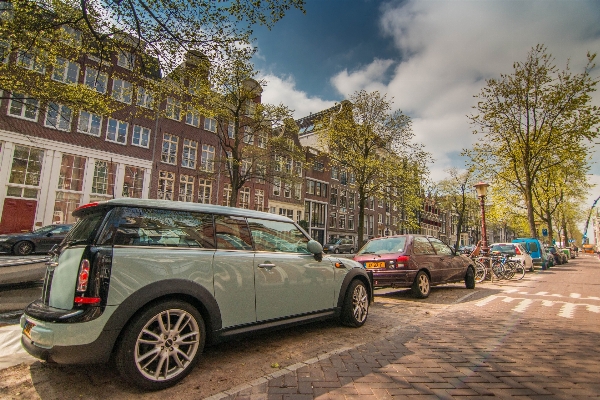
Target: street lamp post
[(481, 188)]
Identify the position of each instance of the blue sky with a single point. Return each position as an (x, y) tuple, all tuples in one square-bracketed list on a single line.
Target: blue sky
[(429, 57)]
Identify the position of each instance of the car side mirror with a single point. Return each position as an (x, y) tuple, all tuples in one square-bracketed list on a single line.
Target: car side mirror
[(315, 248)]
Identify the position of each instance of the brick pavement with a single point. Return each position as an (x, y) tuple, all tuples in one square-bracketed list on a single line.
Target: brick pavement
[(534, 339)]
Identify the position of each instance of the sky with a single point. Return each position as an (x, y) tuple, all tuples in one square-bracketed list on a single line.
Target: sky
[(430, 58)]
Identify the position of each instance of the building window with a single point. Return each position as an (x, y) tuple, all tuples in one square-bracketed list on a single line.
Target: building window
[(186, 188), (58, 117), (103, 182), (287, 191), (122, 90), (190, 151), (207, 162), (31, 60), (4, 51), (333, 197), (134, 182), (71, 36), (342, 222), (116, 131), (173, 110), (351, 197), (297, 191), (192, 117), (276, 186), (244, 197), (261, 140), (210, 124), (310, 187), (318, 166), (65, 71), (334, 173), (351, 178), (169, 149), (379, 219), (248, 135), (286, 212), (343, 177), (125, 59), (298, 168), (71, 173), (204, 191), (144, 97), (351, 222), (343, 199), (259, 200), (64, 205), (332, 220), (23, 107), (96, 80), (26, 169), (230, 130), (141, 136), (226, 194), (166, 185), (89, 123)]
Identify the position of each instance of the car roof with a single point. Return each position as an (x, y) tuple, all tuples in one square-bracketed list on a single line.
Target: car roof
[(180, 206)]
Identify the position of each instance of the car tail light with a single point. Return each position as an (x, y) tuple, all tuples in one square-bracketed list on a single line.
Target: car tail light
[(93, 278), (402, 261), (517, 251)]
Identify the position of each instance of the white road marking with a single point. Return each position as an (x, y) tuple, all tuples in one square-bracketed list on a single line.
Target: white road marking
[(567, 310), (575, 295), (523, 305)]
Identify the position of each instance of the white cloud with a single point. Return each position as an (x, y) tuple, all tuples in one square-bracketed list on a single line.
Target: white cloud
[(283, 91), (449, 48)]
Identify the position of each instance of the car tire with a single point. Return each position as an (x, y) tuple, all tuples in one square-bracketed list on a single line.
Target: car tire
[(356, 304), (161, 359), (470, 278), (23, 248), (337, 251), (421, 286)]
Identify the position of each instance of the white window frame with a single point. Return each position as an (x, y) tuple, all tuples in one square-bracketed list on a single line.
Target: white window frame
[(25, 106), (192, 117), (190, 153), (259, 200), (63, 117), (204, 191), (186, 188), (230, 130), (126, 59), (89, 125), (207, 160), (119, 138), (170, 156), (143, 135), (166, 181), (244, 198), (30, 60), (276, 186), (96, 80), (248, 137), (122, 90), (210, 124), (144, 97), (173, 109), (65, 71)]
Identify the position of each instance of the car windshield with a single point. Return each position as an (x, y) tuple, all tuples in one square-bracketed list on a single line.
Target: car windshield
[(45, 229), (333, 242), (386, 245), (503, 248)]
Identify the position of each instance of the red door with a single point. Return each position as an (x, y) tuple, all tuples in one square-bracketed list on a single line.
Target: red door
[(18, 215)]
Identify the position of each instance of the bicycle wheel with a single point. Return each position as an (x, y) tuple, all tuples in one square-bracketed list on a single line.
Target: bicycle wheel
[(519, 270), (480, 271), (498, 269), (509, 269)]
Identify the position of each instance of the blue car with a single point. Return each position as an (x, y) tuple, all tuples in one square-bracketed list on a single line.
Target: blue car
[(535, 250)]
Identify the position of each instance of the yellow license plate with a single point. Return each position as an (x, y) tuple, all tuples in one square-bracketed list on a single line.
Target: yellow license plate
[(380, 264), (27, 329)]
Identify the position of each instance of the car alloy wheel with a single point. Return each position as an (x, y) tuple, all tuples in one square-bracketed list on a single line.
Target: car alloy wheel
[(162, 345), (23, 248), (356, 304), (421, 286)]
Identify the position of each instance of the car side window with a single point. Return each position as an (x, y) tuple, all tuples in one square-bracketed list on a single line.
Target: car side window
[(232, 233), (440, 247), (532, 247), (422, 246), (277, 236), (156, 227)]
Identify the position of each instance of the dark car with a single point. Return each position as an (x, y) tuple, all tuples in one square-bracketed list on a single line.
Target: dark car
[(559, 259), (39, 241), (414, 261)]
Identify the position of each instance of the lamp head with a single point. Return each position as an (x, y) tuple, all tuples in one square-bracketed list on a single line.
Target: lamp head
[(481, 188)]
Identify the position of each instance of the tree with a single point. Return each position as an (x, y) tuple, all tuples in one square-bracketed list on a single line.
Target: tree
[(256, 139), (523, 116), (368, 140), (456, 194), (151, 38)]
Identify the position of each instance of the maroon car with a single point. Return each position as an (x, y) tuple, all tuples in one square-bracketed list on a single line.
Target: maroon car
[(414, 261)]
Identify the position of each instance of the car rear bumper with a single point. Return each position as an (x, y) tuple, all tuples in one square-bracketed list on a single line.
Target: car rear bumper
[(393, 278)]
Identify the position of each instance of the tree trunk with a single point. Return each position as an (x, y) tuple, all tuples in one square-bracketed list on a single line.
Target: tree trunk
[(529, 203)]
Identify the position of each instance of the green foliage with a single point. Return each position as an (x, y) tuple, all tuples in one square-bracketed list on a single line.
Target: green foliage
[(533, 121), (375, 144)]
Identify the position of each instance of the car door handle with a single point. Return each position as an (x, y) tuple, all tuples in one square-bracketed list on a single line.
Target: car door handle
[(268, 266)]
